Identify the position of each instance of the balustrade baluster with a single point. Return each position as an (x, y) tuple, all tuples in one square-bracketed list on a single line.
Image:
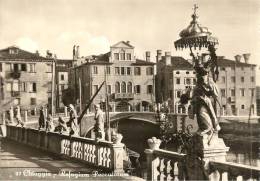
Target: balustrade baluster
[(169, 170), (161, 169)]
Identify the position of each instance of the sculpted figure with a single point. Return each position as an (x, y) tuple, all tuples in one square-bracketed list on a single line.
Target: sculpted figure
[(99, 125), (41, 118), (18, 117), (73, 121)]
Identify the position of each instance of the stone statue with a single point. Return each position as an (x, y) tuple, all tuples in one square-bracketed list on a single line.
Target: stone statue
[(73, 121), (99, 125), (41, 118), (61, 127), (11, 115), (49, 123), (18, 117)]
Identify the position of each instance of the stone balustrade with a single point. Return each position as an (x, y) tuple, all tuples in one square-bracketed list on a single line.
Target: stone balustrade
[(102, 154), (168, 165)]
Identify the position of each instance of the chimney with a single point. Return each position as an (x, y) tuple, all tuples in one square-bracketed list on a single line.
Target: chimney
[(77, 54), (168, 58), (246, 57), (74, 52), (238, 58), (37, 53), (148, 56), (158, 55)]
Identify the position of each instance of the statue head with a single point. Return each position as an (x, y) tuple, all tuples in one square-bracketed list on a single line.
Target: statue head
[(97, 107)]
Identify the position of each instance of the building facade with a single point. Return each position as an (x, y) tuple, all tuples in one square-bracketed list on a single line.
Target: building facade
[(25, 78), (129, 81), (236, 83)]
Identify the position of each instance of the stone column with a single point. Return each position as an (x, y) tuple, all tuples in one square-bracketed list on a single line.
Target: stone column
[(25, 116), (152, 161), (35, 111), (65, 111), (117, 158)]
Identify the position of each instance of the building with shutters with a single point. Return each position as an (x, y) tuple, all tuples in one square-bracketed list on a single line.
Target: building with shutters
[(129, 81), (236, 83), (26, 78)]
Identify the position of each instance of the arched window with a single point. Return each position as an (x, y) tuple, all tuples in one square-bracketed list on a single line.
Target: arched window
[(123, 87), (117, 87), (129, 87)]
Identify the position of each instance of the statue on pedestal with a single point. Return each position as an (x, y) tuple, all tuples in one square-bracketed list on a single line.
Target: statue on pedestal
[(41, 118), (99, 125), (73, 121), (18, 117)]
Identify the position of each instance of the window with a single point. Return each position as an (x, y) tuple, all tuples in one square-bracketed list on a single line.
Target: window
[(95, 70), (223, 92), (128, 56), (34, 88), (23, 67), (129, 87), (122, 70), (117, 87), (178, 93), (194, 81), (116, 55), (128, 70), (177, 72), (62, 87), (109, 91), (242, 92), (108, 70), (95, 89), (233, 92), (187, 72), (242, 106), (137, 89), (149, 89), (1, 68), (233, 79), (122, 56), (252, 79), (23, 86), (9, 86), (8, 67), (149, 71), (17, 101), (49, 67), (16, 67), (188, 81), (222, 68), (33, 101), (15, 86), (62, 77), (252, 92), (123, 87), (117, 71), (242, 79), (137, 70), (223, 79), (178, 81), (232, 68), (32, 67)]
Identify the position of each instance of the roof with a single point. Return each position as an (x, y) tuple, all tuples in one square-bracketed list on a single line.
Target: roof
[(142, 62), (21, 55), (126, 43), (226, 62), (179, 63)]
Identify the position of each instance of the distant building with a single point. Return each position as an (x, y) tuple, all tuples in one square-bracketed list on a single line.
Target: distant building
[(130, 81), (236, 83), (26, 78)]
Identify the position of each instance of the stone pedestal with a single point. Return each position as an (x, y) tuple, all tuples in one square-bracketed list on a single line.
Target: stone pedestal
[(204, 149)]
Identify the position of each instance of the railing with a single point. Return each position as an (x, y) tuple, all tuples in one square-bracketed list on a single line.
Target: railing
[(102, 154), (167, 165)]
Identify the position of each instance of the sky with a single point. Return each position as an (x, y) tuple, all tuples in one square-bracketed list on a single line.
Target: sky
[(95, 25)]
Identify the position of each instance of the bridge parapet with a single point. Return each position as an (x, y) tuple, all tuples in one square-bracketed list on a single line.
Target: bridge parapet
[(104, 155), (168, 165)]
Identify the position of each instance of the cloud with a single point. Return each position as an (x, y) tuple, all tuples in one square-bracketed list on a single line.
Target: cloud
[(27, 43)]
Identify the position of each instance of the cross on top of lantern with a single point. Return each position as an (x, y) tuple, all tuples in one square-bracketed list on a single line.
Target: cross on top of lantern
[(195, 35)]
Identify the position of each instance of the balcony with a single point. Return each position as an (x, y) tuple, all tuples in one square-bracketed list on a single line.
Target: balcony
[(124, 95), (15, 93), (15, 74)]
